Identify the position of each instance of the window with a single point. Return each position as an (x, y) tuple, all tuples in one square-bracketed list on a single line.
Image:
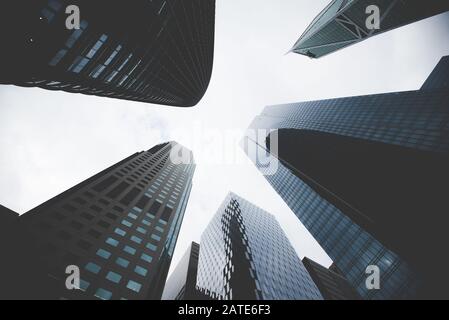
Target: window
[(112, 56), (118, 209), (127, 223), (134, 286), (114, 277), (146, 257), (149, 215), (136, 239), (114, 193), (161, 230), (79, 64), (97, 46), (103, 294), (76, 225), (141, 230), (100, 68), (104, 202), (70, 258), (155, 237), (141, 271), (96, 208), (64, 235), (84, 244), (143, 201), (58, 57), (130, 196), (94, 233), (151, 246), (120, 232), (112, 242), (92, 267), (111, 216), (57, 216), (129, 250), (146, 222), (155, 207), (105, 183), (122, 262), (86, 216), (103, 253), (103, 224), (132, 216), (84, 285)]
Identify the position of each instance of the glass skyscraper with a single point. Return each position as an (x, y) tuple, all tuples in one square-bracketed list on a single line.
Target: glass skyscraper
[(119, 227), (343, 23), (245, 254), (367, 176), (158, 51)]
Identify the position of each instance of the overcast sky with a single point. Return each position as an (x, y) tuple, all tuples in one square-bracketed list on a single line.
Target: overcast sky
[(50, 141)]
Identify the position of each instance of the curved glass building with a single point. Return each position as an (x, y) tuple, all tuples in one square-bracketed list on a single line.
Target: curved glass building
[(158, 51)]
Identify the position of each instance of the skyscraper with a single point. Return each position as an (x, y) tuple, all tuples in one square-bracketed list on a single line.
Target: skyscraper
[(158, 51), (332, 285), (118, 227), (343, 22), (245, 255), (367, 176), (181, 285)]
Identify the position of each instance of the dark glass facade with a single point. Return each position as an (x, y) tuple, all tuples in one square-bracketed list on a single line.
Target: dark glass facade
[(246, 255), (119, 227), (158, 51), (361, 173), (343, 23), (439, 79), (332, 285)]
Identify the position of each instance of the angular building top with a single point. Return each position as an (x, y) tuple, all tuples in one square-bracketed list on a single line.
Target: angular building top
[(343, 23), (120, 227), (181, 285), (439, 78), (158, 51), (245, 255)]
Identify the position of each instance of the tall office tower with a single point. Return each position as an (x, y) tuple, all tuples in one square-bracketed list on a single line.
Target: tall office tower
[(332, 285), (158, 51), (344, 22), (181, 285), (245, 255), (119, 227), (8, 219), (368, 177)]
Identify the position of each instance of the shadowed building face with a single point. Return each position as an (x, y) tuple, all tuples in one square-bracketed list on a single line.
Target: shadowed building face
[(343, 23), (158, 51), (120, 228)]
